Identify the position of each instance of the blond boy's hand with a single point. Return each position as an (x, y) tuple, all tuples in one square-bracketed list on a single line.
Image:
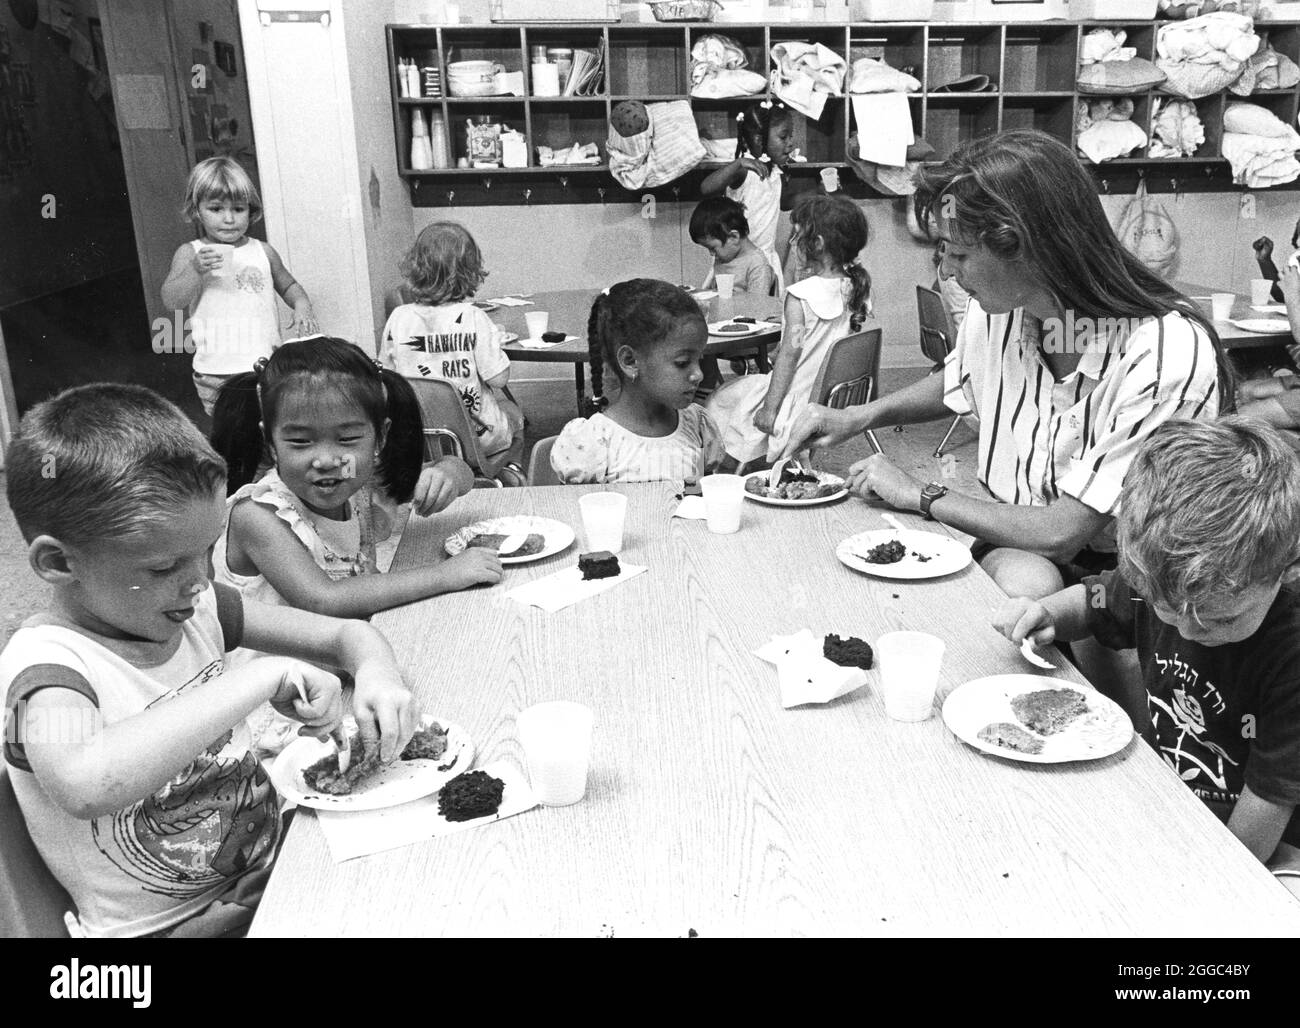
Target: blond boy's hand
[(386, 712), (323, 711), (440, 483), (1020, 618)]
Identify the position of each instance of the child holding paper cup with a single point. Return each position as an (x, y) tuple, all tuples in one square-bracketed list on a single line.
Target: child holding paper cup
[(229, 281)]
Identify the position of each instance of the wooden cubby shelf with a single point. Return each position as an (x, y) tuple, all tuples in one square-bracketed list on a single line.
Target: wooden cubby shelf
[(1032, 67)]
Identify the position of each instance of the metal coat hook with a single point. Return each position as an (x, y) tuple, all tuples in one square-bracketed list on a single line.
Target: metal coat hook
[(601, 193), (451, 195), (1105, 186), (528, 195), (564, 181), (487, 181), (1173, 185), (677, 193)]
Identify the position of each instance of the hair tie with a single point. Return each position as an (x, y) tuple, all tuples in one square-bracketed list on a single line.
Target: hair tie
[(259, 365), (379, 367)]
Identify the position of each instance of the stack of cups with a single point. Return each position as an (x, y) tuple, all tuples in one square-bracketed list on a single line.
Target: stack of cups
[(909, 673), (556, 738)]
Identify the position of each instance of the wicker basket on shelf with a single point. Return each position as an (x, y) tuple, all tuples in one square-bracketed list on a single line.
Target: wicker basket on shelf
[(685, 10)]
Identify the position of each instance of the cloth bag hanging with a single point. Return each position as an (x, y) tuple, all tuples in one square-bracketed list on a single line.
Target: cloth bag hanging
[(1148, 233)]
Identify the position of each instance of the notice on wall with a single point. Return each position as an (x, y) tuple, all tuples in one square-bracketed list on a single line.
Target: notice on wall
[(142, 101)]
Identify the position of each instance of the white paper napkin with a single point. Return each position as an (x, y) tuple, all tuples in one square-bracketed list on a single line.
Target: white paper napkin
[(358, 833), (691, 507), (534, 344), (567, 587), (510, 301), (704, 294), (805, 676), (1269, 308)]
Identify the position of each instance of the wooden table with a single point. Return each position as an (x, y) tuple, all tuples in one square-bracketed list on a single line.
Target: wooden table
[(711, 808), (1235, 338), (570, 308)]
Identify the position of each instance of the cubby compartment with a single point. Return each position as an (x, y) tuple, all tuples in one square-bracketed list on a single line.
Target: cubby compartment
[(1210, 110), (1053, 115), (958, 51), (562, 123), (952, 120), (715, 120), (500, 46), (1039, 60), (1285, 39), (647, 62), (902, 48), (592, 40), (1141, 118), (1140, 36), (509, 114), (916, 107), (752, 39), (822, 141)]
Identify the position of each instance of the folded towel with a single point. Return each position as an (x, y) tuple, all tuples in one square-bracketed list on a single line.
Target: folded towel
[(1105, 45), (805, 74), (1204, 55), (885, 121), (872, 76), (1106, 139), (1262, 161)]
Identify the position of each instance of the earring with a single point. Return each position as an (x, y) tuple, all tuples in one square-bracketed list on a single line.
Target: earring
[(632, 374)]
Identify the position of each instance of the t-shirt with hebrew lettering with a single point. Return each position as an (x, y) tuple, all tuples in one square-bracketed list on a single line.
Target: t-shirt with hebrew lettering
[(1223, 716), (207, 835), (457, 343)]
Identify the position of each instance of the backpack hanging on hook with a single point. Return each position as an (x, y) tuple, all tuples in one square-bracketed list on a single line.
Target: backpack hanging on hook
[(1148, 232)]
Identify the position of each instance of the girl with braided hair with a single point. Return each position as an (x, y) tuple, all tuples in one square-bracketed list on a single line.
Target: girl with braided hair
[(765, 141), (651, 335)]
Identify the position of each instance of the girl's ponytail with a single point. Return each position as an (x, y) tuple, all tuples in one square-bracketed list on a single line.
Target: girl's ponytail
[(236, 432), (861, 295), (596, 355), (400, 461)]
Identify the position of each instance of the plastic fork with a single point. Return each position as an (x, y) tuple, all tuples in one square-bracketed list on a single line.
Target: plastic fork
[(338, 736)]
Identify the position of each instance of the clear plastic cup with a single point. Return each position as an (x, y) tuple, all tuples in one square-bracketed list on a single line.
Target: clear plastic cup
[(830, 179), (909, 673), (537, 322), (1221, 305), (726, 285), (227, 252), (556, 738), (1260, 291), (603, 515), (724, 499)]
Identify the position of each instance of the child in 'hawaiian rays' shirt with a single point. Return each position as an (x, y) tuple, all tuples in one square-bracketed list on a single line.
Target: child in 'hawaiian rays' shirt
[(1209, 540)]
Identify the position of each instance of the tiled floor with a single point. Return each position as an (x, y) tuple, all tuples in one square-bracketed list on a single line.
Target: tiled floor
[(549, 406)]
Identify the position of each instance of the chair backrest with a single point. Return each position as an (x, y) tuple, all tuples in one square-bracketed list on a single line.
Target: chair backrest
[(32, 902), (938, 336), (848, 374), (540, 471), (446, 424)]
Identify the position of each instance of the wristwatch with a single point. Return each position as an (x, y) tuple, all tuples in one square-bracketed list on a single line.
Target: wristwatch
[(929, 494)]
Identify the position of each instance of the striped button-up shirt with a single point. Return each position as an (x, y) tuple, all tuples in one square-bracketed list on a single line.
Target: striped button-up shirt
[(1040, 439)]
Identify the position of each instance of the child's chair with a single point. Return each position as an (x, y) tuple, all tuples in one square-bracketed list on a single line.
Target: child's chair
[(540, 471), (447, 429), (32, 903), (938, 337), (848, 374)]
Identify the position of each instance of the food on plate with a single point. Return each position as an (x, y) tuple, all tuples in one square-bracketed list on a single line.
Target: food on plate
[(1048, 711), (598, 564), (554, 337), (793, 485), (470, 795), (1011, 737), (429, 743), (535, 543), (483, 305), (733, 328), (850, 652), (886, 553), (745, 320), (323, 775)]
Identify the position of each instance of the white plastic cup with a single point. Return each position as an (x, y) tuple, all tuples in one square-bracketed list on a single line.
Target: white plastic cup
[(1221, 305), (603, 515), (1260, 291), (227, 252), (909, 673), (537, 322), (546, 80), (724, 498), (726, 285), (830, 179), (556, 738)]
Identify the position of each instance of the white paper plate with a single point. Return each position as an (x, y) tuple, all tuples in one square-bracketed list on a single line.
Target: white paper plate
[(558, 535), (485, 305), (398, 782), (1265, 326), (509, 337), (1104, 730), (823, 477), (946, 554), (715, 329)]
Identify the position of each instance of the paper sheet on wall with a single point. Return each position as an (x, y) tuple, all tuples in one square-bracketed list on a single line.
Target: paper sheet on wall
[(142, 101), (889, 120)]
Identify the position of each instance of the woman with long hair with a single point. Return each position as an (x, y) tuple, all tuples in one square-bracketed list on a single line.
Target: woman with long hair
[(1070, 354)]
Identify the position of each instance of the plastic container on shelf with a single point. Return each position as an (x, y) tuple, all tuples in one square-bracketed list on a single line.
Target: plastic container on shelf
[(1113, 10), (891, 10)]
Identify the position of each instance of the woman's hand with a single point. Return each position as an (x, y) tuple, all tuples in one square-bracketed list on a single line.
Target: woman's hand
[(1021, 618), (304, 320), (819, 427), (440, 483), (386, 712), (877, 476), (764, 420)]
